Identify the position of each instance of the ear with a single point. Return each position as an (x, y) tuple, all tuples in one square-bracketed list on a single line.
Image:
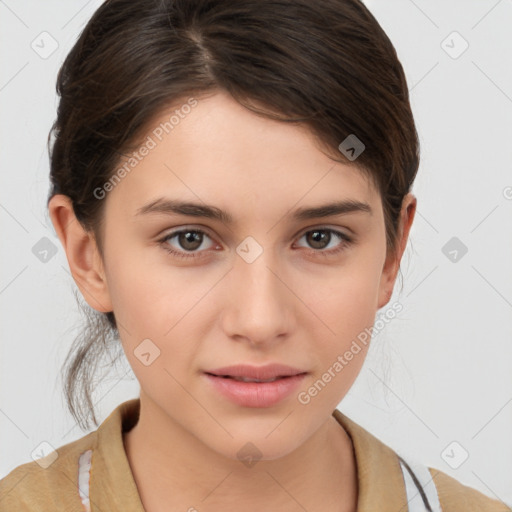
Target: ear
[(392, 263), (82, 253)]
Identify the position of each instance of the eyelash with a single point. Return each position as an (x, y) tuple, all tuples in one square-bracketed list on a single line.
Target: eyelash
[(346, 241)]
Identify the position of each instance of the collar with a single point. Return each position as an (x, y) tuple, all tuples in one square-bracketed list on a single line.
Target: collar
[(379, 476)]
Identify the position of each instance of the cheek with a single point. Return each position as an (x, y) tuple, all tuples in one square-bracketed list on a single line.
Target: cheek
[(149, 297), (345, 310), (136, 295), (157, 303), (347, 302)]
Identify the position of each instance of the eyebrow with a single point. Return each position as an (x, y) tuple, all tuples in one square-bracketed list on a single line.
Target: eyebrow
[(172, 206)]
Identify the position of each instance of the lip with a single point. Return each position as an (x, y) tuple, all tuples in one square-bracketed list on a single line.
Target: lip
[(268, 371), (255, 394)]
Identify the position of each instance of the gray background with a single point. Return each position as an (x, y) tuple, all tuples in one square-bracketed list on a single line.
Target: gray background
[(438, 373)]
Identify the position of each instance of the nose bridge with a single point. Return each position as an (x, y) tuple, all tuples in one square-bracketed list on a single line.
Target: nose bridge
[(258, 300), (255, 272)]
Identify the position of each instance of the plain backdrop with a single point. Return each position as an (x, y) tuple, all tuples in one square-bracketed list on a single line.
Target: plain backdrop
[(437, 379)]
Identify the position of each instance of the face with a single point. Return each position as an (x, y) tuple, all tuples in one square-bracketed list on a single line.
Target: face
[(194, 293)]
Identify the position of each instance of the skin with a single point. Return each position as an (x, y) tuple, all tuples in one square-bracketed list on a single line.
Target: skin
[(291, 305)]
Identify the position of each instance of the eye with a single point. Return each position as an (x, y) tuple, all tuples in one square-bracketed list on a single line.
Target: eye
[(320, 238), (189, 241)]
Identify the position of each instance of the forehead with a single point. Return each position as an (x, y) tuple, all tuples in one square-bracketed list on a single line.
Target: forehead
[(219, 152)]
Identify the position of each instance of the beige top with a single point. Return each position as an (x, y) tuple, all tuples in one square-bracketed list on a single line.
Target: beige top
[(110, 486)]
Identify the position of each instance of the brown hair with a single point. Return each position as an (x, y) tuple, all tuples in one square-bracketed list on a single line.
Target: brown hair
[(326, 64)]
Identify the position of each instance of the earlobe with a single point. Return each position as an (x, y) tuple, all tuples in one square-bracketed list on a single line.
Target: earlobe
[(82, 253), (392, 264)]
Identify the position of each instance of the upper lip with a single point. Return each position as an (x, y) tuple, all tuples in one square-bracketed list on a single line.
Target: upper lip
[(268, 371)]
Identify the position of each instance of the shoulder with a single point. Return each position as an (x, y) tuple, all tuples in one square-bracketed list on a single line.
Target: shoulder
[(454, 496), (60, 481), (48, 483), (403, 482)]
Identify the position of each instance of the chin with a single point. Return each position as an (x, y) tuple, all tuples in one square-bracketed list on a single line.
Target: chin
[(249, 449)]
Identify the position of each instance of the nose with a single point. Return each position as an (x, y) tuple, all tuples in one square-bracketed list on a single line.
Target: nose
[(259, 304)]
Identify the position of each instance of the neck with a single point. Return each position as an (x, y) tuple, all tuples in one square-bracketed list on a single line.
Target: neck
[(320, 474)]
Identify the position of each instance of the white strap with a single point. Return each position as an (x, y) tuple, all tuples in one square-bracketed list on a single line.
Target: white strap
[(420, 488), (84, 468)]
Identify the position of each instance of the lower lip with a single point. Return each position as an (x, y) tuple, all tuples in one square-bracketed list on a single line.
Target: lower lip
[(256, 394)]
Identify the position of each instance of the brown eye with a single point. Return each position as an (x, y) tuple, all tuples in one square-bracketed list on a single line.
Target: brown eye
[(319, 240), (186, 241), (190, 240)]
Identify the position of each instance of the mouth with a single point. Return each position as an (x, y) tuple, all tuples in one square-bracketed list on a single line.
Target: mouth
[(250, 373), (248, 391), (250, 379)]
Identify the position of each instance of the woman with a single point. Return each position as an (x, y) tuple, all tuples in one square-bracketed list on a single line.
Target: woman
[(231, 184)]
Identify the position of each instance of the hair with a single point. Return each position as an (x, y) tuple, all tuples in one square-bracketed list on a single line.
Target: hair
[(323, 64)]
